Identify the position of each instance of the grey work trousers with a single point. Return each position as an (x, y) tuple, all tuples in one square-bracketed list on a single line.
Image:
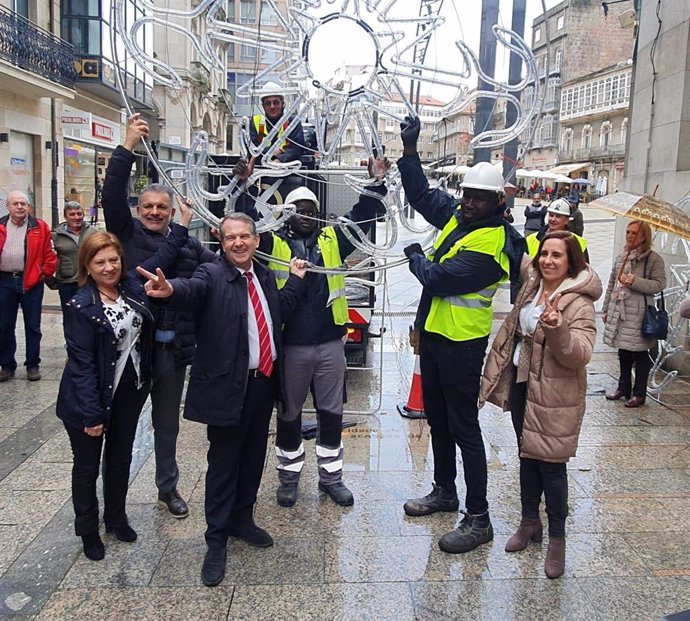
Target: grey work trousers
[(321, 367), (166, 393)]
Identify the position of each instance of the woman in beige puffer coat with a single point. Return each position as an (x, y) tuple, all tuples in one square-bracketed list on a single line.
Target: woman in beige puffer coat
[(636, 273), (536, 368)]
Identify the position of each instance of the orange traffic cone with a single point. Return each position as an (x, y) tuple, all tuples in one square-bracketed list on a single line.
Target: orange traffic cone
[(415, 404)]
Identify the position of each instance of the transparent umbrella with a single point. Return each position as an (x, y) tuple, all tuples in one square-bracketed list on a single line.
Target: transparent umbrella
[(662, 215)]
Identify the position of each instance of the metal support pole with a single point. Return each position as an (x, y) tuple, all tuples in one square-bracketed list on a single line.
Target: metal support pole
[(487, 61), (54, 211), (514, 74)]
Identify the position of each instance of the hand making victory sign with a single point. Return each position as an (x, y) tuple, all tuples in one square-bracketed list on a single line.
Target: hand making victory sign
[(551, 314), (157, 285)]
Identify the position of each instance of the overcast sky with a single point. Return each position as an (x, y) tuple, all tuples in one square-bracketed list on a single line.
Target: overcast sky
[(341, 42)]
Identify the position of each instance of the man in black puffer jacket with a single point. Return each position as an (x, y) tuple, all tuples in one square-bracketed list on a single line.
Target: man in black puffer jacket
[(174, 339)]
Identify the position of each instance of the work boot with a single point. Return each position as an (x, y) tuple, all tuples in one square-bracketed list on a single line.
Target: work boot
[(436, 500), (530, 529), (286, 494), (554, 566), (33, 374), (6, 374), (473, 531), (338, 493)]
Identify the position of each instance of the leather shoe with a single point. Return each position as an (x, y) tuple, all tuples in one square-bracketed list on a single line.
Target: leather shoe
[(177, 507), (635, 402), (616, 396), (6, 374), (213, 569), (338, 493), (252, 535), (33, 374)]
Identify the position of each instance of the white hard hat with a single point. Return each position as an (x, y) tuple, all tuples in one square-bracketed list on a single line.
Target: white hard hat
[(302, 193), (560, 206), (484, 176), (271, 89)]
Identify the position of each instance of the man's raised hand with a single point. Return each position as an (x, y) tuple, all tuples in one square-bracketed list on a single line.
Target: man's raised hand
[(244, 169), (136, 128), (156, 286), (186, 213)]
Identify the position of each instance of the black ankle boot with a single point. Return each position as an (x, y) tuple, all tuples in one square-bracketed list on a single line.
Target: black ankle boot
[(123, 532), (93, 546)]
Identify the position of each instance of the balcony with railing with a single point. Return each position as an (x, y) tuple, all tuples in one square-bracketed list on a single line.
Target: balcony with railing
[(598, 153), (27, 47)]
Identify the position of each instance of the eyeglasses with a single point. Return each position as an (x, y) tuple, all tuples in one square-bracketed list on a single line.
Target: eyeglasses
[(272, 103)]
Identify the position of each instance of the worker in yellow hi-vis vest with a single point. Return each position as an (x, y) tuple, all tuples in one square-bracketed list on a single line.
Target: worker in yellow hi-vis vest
[(476, 251), (313, 339), (273, 104), (290, 149), (558, 217)]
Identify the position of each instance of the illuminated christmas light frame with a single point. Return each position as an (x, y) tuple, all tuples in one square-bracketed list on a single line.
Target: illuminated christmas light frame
[(207, 31)]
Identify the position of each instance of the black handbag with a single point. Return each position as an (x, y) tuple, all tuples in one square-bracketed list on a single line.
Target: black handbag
[(655, 320)]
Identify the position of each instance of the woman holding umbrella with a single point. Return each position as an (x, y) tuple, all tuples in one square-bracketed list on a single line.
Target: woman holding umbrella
[(637, 273)]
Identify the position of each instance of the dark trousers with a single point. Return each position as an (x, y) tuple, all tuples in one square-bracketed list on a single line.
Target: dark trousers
[(166, 393), (236, 457), (539, 477), (118, 439), (12, 296), (66, 292), (642, 363), (451, 372)]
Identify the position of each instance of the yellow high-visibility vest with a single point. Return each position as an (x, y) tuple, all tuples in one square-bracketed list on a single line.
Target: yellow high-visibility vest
[(533, 243), (330, 251), (262, 131), (468, 316)]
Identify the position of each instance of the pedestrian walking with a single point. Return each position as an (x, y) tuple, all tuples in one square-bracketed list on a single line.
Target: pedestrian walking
[(26, 259)]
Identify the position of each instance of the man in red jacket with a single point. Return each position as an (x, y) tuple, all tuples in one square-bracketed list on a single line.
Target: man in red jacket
[(26, 258)]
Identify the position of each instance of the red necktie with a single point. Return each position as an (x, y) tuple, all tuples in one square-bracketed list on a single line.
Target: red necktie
[(265, 355)]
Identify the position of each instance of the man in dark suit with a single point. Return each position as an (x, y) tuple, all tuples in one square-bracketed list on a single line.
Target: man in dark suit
[(235, 377)]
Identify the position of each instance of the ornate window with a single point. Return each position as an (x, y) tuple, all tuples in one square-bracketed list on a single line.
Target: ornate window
[(605, 133), (586, 140)]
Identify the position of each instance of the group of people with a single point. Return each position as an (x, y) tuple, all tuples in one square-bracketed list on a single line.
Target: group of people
[(148, 303), (536, 366), (144, 300)]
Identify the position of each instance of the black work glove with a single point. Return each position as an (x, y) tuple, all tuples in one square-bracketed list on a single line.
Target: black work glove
[(409, 131), (240, 168), (413, 249)]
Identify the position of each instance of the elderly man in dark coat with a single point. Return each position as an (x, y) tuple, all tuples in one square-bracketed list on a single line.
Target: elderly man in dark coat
[(235, 378)]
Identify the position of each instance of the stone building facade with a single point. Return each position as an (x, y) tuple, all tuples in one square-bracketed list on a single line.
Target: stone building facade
[(573, 40)]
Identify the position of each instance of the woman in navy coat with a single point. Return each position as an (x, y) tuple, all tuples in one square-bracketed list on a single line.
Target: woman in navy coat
[(104, 386)]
